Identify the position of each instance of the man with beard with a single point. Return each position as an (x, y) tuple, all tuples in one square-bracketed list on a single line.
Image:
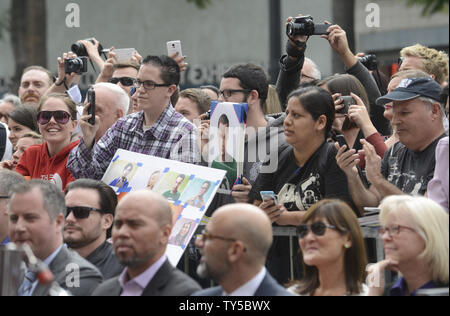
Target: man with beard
[(234, 253), (35, 82), (90, 212), (141, 231)]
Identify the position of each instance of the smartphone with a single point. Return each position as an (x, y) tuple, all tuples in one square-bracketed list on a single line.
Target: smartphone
[(269, 195), (124, 54), (91, 109), (174, 47), (347, 101), (341, 141)]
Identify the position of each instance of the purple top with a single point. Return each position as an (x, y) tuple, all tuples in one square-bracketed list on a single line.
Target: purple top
[(438, 186), (170, 137), (399, 288)]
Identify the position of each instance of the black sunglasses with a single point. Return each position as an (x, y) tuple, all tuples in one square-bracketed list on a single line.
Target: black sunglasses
[(61, 117), (125, 81), (82, 212), (318, 229)]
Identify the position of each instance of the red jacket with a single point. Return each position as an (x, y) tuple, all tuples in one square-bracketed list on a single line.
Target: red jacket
[(36, 163)]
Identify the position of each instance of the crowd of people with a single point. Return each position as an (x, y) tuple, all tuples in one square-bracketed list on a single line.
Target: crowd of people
[(387, 147)]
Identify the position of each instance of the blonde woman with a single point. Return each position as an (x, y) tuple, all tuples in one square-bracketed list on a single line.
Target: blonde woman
[(415, 238)]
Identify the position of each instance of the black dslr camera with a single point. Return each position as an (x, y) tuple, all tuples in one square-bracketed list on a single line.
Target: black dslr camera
[(77, 65), (369, 61), (304, 25), (79, 49)]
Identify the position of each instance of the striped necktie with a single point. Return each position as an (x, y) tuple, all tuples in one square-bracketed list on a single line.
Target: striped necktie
[(27, 285)]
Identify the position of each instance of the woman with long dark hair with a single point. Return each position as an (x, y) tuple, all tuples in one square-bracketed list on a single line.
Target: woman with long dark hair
[(307, 171)]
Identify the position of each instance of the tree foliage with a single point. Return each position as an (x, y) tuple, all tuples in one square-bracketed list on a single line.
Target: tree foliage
[(430, 7)]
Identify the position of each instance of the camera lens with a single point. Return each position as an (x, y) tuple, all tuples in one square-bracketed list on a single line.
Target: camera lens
[(79, 49)]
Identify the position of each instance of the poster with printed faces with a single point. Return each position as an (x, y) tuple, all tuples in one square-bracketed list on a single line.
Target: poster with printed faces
[(227, 141), (188, 188)]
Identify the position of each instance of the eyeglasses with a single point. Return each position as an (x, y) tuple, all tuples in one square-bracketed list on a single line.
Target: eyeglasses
[(205, 236), (124, 81), (61, 117), (229, 92), (4, 197), (82, 212), (400, 61), (149, 85), (318, 229), (393, 230)]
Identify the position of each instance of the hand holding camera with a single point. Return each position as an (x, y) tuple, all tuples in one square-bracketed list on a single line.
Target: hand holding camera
[(304, 25), (70, 68), (90, 48)]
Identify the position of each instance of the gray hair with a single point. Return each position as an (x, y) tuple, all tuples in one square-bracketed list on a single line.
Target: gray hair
[(430, 101), (8, 179), (54, 201), (316, 74), (122, 99), (11, 98)]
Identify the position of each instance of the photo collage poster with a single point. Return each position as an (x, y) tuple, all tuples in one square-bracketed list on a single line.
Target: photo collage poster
[(188, 193), (227, 141)]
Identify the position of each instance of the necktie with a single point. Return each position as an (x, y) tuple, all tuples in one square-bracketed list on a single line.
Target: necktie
[(27, 285)]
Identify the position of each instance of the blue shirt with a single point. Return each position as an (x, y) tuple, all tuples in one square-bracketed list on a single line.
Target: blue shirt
[(47, 261), (399, 288), (4, 242)]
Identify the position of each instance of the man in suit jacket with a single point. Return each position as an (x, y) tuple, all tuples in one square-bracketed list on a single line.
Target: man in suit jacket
[(141, 230), (37, 210), (234, 248)]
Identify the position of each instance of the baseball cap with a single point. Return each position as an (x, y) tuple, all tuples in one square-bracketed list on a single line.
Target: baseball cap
[(411, 88)]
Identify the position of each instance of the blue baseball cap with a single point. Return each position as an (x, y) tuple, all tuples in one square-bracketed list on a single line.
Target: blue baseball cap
[(412, 88)]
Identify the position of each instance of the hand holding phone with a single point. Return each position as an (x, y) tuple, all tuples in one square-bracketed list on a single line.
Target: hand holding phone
[(347, 102), (174, 47), (341, 141), (269, 195), (91, 109), (124, 54)]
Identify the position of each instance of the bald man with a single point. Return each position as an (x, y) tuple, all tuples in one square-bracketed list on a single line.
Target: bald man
[(234, 247), (141, 230)]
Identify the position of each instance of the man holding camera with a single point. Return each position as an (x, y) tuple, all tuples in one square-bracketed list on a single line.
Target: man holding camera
[(157, 130)]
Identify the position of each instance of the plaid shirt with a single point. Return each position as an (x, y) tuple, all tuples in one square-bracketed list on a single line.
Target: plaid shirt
[(170, 137)]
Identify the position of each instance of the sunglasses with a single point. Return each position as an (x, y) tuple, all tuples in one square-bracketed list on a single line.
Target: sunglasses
[(124, 81), (82, 212), (318, 229), (61, 117)]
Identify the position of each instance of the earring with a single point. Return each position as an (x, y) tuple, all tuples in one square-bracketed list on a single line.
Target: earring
[(347, 246)]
